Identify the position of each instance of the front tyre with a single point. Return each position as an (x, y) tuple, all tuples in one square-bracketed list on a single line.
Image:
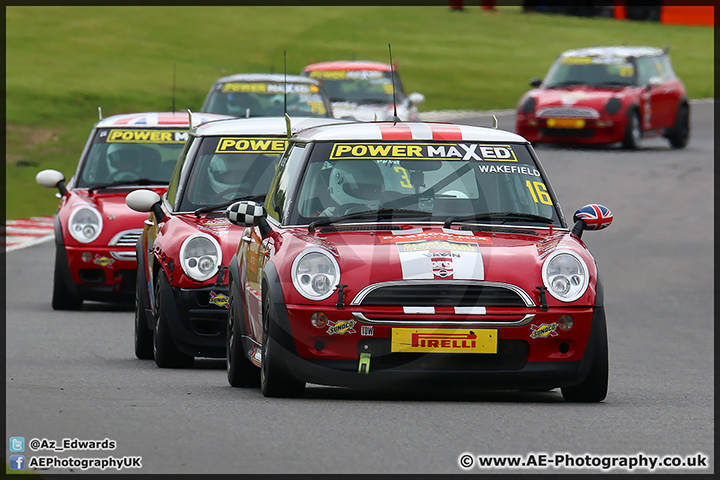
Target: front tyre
[(240, 372), (633, 133), (165, 352), (679, 134), (594, 387), (275, 379), (143, 335), (63, 298)]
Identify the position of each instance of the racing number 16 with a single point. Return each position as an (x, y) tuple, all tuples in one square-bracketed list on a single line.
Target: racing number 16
[(538, 191)]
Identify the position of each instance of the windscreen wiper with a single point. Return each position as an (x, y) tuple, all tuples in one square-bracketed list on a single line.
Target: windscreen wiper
[(566, 84), (383, 212), (498, 215), (210, 208), (119, 183)]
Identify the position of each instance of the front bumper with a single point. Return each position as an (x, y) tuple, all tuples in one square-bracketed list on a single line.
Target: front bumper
[(595, 131), (524, 358), (198, 319), (102, 273)]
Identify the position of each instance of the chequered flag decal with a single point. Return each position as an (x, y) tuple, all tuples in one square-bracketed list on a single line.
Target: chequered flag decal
[(595, 216), (245, 213)]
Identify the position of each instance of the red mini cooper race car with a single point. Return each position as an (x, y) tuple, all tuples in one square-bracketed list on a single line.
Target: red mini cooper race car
[(389, 252), (181, 289), (95, 232), (606, 95), (363, 90)]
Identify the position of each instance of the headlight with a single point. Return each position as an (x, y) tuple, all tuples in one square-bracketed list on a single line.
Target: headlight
[(85, 224), (200, 257), (565, 275), (315, 273)]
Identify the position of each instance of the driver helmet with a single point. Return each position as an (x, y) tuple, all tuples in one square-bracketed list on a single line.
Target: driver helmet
[(227, 172), (239, 103), (123, 158), (356, 181)]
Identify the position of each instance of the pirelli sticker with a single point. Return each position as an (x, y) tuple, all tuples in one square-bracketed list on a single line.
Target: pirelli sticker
[(424, 151), (443, 340), (271, 145), (262, 87), (146, 135)]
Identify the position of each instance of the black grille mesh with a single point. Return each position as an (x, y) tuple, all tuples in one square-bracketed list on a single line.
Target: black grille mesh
[(443, 296)]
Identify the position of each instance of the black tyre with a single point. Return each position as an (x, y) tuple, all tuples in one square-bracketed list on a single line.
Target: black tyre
[(63, 298), (165, 352), (143, 335), (275, 379), (240, 372), (633, 132), (594, 387), (679, 134)]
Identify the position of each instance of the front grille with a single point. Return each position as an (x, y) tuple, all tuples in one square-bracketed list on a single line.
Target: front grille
[(128, 238), (442, 294), (568, 132), (568, 112)]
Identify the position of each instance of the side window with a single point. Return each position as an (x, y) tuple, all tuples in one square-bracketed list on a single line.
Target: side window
[(173, 187), (288, 170), (668, 73), (646, 69)]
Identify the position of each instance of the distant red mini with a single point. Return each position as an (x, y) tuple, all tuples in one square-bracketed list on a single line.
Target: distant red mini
[(604, 95), (392, 252), (95, 232)]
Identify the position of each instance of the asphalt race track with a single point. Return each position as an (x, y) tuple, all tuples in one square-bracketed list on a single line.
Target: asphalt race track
[(75, 376)]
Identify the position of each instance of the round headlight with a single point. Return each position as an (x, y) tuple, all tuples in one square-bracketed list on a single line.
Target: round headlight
[(315, 274), (85, 224), (565, 275), (200, 257)]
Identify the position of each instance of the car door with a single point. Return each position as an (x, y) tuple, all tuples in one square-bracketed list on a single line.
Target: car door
[(654, 98)]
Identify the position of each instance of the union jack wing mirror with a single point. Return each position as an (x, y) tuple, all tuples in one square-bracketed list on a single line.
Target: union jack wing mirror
[(591, 217), (245, 213)]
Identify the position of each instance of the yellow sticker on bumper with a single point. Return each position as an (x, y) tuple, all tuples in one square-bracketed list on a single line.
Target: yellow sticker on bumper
[(565, 123), (444, 340)]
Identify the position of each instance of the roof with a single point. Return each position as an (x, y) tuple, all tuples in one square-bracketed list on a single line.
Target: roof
[(265, 77), (348, 65), (616, 51), (407, 131), (157, 119), (260, 125)]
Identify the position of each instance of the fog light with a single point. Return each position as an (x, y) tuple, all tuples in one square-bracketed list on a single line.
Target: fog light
[(86, 256), (565, 322), (319, 320)]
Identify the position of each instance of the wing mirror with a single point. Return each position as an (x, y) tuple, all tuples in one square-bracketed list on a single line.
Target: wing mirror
[(591, 217), (51, 179), (416, 98), (145, 201), (535, 82), (248, 214), (654, 81)]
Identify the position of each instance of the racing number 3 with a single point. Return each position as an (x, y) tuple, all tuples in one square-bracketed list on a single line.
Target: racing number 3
[(538, 191), (404, 180)]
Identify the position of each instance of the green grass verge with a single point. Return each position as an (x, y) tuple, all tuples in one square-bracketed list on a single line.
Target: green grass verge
[(64, 62)]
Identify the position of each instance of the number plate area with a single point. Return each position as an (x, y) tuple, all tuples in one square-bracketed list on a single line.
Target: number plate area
[(565, 123), (444, 340)]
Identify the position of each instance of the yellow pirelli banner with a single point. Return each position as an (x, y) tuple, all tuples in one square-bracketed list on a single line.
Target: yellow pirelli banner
[(444, 340)]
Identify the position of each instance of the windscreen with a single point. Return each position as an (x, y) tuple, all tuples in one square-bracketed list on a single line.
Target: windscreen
[(263, 99), (127, 155), (595, 70), (433, 180), (226, 168), (358, 86)]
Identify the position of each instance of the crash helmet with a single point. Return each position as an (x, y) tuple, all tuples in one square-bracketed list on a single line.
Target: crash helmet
[(239, 103), (123, 157), (355, 181), (227, 172)]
